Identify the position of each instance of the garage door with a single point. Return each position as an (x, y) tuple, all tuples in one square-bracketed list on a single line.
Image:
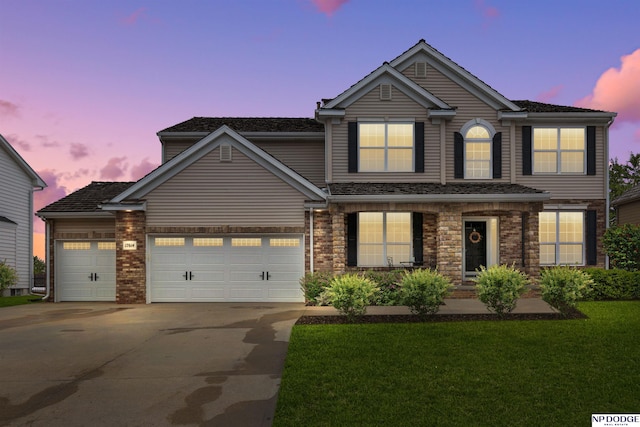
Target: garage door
[(86, 271), (227, 268)]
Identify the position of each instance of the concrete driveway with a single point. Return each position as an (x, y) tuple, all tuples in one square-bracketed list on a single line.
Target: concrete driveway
[(99, 364)]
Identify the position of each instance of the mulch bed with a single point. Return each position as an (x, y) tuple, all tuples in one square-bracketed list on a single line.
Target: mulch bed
[(410, 318)]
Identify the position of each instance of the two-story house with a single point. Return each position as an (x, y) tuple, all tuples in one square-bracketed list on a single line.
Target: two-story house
[(419, 163)]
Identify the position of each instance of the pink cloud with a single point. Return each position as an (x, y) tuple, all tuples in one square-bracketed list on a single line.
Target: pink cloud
[(134, 17), (489, 13), (15, 141), (142, 169), (8, 108), (618, 90), (328, 7), (45, 142), (115, 169), (550, 94), (52, 193), (78, 151)]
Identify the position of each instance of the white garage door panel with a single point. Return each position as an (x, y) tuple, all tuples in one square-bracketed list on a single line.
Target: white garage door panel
[(85, 271), (228, 269)]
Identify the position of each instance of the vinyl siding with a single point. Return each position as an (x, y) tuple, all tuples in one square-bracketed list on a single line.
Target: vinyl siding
[(629, 213), (15, 204), (567, 186), (304, 157), (401, 106), (213, 193)]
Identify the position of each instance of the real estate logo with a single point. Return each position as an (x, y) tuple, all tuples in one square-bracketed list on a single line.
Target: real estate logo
[(615, 420)]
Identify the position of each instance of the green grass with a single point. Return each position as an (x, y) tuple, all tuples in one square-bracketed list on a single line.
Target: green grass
[(24, 299), (510, 373)]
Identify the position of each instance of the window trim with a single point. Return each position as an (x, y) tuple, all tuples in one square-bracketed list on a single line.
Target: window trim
[(557, 244), (492, 133), (558, 151), (385, 242), (386, 147)]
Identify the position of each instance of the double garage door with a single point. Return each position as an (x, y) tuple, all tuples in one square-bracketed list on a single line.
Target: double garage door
[(189, 269), (227, 268)]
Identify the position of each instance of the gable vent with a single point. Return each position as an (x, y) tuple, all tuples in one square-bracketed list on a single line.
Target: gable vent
[(225, 153), (421, 69), (385, 92)]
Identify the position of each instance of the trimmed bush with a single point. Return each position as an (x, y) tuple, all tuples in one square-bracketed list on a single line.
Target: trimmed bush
[(562, 287), (8, 276), (388, 283), (313, 284), (423, 291), (499, 287), (350, 294), (622, 244), (614, 284)]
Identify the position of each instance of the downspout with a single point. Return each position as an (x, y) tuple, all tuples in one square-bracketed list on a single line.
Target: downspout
[(311, 240), (47, 232)]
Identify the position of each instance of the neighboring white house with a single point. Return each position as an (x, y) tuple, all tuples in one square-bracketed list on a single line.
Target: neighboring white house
[(17, 184)]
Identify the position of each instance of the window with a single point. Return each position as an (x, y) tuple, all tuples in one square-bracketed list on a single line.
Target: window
[(477, 153), (384, 238), (246, 242), (207, 241), (558, 150), (561, 238), (169, 241), (386, 147)]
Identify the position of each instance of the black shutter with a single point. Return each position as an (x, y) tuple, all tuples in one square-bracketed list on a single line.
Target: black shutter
[(591, 150), (458, 155), (526, 150), (352, 239), (497, 155), (591, 237), (419, 146), (417, 239), (352, 137)]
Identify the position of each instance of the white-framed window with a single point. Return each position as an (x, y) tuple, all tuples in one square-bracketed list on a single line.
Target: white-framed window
[(477, 153), (384, 238), (559, 150), (562, 237), (386, 147)]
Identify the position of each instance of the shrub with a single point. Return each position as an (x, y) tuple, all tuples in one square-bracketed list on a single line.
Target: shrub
[(622, 244), (8, 276), (614, 284), (350, 294), (562, 287), (423, 291), (499, 287), (313, 284), (388, 283)]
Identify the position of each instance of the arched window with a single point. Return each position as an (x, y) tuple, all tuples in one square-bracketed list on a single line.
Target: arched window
[(478, 149)]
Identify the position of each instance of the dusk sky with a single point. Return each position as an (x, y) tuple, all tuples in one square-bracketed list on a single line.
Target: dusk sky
[(86, 84)]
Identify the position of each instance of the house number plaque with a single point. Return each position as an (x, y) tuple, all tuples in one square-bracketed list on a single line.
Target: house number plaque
[(129, 245)]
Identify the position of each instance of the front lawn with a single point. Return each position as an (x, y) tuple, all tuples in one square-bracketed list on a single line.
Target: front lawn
[(515, 373), (24, 299)]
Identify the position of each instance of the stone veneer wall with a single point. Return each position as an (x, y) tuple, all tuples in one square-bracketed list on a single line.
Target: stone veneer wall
[(131, 273), (322, 241)]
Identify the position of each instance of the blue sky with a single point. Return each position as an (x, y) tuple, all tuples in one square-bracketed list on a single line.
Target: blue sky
[(86, 84)]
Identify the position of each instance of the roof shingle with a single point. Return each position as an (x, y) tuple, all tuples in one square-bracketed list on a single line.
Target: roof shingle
[(370, 189), (88, 198), (248, 124)]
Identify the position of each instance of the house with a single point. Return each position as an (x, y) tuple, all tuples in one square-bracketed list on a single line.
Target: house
[(627, 206), (419, 163), (17, 184)]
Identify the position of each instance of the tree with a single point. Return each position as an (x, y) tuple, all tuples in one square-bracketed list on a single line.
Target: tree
[(623, 177), (39, 266)]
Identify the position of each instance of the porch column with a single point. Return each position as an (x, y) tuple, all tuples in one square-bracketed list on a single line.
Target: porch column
[(131, 273), (339, 238), (449, 235)]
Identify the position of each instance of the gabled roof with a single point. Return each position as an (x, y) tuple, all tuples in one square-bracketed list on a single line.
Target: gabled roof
[(247, 124), (382, 74), (631, 195), (455, 72), (36, 181), (434, 192), (226, 135), (541, 107), (86, 200)]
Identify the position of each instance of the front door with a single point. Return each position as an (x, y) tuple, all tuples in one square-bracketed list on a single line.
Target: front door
[(475, 246)]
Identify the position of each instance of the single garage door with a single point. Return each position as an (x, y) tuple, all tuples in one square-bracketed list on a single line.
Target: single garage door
[(86, 271), (227, 268)]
